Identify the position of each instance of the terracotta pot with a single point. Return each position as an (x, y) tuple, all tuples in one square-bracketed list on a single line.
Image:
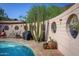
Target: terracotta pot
[(45, 45), (52, 45)]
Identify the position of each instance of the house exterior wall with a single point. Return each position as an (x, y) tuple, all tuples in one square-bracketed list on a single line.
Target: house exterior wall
[(12, 29), (66, 43), (11, 32)]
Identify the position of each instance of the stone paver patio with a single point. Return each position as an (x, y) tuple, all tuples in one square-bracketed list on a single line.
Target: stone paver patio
[(37, 47)]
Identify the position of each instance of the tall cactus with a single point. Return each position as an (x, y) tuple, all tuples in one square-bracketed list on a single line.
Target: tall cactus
[(38, 14), (41, 33), (38, 32)]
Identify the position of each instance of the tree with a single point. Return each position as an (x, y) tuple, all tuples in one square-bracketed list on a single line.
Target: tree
[(43, 12), (32, 15), (3, 15), (39, 14), (54, 11), (15, 19)]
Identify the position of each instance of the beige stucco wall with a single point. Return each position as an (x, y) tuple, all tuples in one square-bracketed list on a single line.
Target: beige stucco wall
[(66, 44), (12, 32)]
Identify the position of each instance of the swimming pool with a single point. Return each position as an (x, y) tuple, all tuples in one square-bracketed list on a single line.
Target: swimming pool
[(14, 49)]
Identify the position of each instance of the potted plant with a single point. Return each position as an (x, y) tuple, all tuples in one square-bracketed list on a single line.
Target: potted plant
[(52, 44)]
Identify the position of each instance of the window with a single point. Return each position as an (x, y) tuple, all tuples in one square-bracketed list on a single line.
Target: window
[(72, 20), (53, 27), (16, 27), (6, 28)]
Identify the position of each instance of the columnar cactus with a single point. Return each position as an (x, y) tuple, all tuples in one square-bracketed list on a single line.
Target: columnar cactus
[(38, 32)]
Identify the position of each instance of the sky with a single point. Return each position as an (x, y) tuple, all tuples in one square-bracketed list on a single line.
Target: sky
[(15, 10)]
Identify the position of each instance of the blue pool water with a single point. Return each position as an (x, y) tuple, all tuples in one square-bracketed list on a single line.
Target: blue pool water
[(14, 49)]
